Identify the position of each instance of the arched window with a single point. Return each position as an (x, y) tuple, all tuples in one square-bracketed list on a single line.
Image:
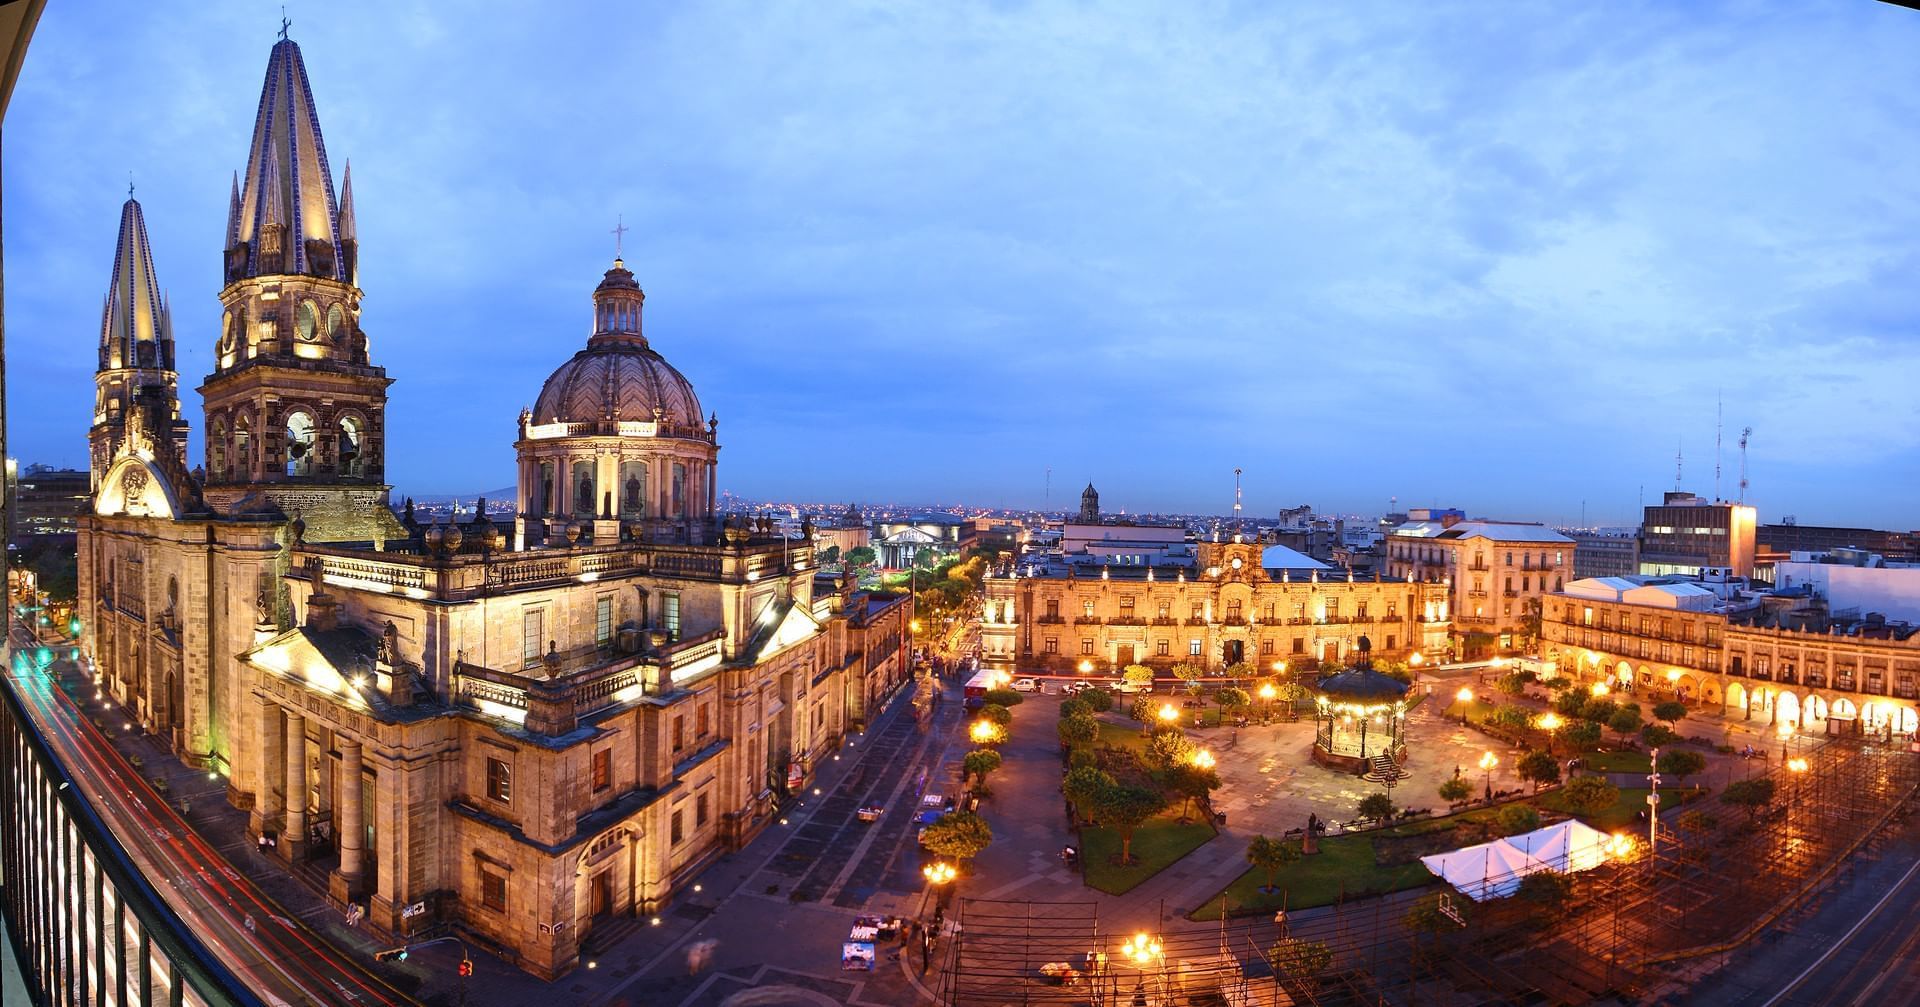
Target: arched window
[(308, 325), (217, 450), (336, 324), (243, 446), (679, 488), (583, 488), (299, 443), (544, 504), (350, 453)]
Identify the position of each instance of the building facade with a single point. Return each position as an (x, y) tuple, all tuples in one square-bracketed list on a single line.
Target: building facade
[(47, 502), (1785, 539), (1596, 554), (1230, 608), (1496, 574), (523, 732), (1685, 534)]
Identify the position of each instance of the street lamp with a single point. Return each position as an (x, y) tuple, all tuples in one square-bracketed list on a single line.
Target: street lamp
[(1168, 715), (1673, 681), (1786, 734), (939, 873), (1417, 659), (1141, 951), (1465, 696), (984, 732), (1266, 696), (1085, 667), (1279, 667), (1487, 762), (1203, 759), (1549, 722)]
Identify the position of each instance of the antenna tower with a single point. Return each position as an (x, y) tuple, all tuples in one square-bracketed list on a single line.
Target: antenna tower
[(1745, 433), (1236, 497), (1679, 464), (1046, 495)]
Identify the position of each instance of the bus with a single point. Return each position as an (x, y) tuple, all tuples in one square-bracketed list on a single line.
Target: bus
[(977, 686)]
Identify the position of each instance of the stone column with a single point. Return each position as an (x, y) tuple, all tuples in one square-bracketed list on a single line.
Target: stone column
[(294, 843), (267, 803), (346, 882)]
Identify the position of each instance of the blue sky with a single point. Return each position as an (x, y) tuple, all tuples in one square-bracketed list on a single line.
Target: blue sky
[(1490, 255)]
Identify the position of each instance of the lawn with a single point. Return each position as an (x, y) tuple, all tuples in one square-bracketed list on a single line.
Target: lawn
[(1622, 814), (1617, 762), (1343, 865), (1479, 711), (1157, 844), (1122, 736)]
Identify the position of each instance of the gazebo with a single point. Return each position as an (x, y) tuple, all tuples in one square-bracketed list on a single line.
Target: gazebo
[(1362, 714)]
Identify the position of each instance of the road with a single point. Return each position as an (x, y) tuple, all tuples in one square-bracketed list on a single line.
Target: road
[(276, 954)]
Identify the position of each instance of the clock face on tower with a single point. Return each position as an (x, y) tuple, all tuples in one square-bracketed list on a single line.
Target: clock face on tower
[(1236, 562)]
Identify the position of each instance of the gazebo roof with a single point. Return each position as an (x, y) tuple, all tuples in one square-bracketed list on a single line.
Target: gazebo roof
[(1362, 683)]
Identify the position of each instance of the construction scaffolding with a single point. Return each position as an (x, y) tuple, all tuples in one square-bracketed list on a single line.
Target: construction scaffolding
[(1642, 928)]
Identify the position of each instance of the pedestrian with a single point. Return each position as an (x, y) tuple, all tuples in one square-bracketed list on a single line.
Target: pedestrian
[(251, 926)]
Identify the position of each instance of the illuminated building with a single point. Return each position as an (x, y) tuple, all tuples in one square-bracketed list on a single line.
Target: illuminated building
[(1688, 535), (1496, 573)]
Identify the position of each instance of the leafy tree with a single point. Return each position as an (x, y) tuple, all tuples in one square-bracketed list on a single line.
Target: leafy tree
[(1680, 763), (1238, 670), (1538, 768), (1455, 788), (1625, 721), (1083, 786), (1299, 960), (1097, 700), (1270, 855), (1123, 808), (830, 554), (1517, 818), (1291, 693), (1583, 735), (1658, 735), (978, 763), (1075, 708), (1569, 704), (1190, 783), (1232, 699), (1004, 697), (1078, 731), (1143, 709), (1425, 916), (1514, 683), (1378, 807), (861, 555), (997, 714), (1589, 795), (1670, 711), (961, 835), (1548, 889), (1138, 675), (1512, 718), (1083, 757), (1753, 795), (1598, 710), (1167, 749)]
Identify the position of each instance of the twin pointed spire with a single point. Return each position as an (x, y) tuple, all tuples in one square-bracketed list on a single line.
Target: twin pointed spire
[(136, 329), (285, 219)]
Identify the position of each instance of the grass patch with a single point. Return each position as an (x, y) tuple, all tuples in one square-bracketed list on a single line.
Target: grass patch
[(1617, 762), (1477, 711), (1344, 864), (1157, 845), (1127, 736), (1624, 810)]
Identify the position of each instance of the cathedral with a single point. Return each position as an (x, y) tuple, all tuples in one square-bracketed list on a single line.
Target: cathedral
[(520, 731)]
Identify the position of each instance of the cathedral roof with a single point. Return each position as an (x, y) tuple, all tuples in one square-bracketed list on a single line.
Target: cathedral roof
[(135, 328), (618, 377), (287, 179)]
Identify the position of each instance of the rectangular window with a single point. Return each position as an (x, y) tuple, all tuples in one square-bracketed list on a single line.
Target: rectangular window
[(1333, 608), (679, 489), (1164, 608), (1086, 609), (532, 631), (1193, 648), (1195, 614), (679, 732), (704, 721), (1361, 612), (1160, 649), (1086, 646), (1053, 608), (1233, 610), (1266, 647), (1053, 645), (679, 831), (499, 781), (700, 810), (1299, 645), (602, 770), (603, 620), (1126, 608), (1391, 642), (670, 615), (1393, 609), (493, 890)]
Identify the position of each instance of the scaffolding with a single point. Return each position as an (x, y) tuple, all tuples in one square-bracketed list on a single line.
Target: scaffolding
[(1642, 928)]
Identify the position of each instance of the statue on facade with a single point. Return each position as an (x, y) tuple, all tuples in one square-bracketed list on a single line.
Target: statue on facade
[(263, 608)]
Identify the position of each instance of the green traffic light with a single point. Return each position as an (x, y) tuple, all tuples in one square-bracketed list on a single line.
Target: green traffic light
[(44, 656)]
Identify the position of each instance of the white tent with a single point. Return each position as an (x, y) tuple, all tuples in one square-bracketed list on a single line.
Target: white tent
[(1493, 870)]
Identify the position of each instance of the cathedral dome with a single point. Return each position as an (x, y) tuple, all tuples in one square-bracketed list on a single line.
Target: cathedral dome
[(618, 378)]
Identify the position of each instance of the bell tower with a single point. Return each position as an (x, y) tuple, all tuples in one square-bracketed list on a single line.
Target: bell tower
[(136, 372), (295, 409)]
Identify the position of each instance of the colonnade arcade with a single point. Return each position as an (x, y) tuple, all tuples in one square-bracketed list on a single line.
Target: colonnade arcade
[(314, 794)]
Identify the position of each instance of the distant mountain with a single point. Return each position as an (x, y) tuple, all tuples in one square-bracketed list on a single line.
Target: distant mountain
[(494, 497)]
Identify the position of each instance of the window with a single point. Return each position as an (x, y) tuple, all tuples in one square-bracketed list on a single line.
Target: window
[(670, 615), (603, 620), (1194, 616), (1233, 610), (1053, 608), (1086, 646), (1086, 609), (703, 721), (530, 636), (1126, 607), (1586, 617), (1333, 608), (1391, 641), (679, 831), (679, 732), (499, 781), (679, 489), (1266, 647), (1164, 608), (1160, 649), (1299, 645), (602, 770), (1393, 610), (493, 890), (1053, 645), (1193, 648), (1361, 614), (1299, 610), (700, 810)]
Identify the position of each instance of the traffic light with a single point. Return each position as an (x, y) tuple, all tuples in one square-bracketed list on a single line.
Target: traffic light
[(43, 656), (73, 626), (466, 967), (391, 955)]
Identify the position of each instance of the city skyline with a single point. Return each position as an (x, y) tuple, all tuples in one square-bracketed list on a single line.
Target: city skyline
[(824, 240)]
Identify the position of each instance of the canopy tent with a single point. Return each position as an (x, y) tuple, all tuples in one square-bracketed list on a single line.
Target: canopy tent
[(1493, 870)]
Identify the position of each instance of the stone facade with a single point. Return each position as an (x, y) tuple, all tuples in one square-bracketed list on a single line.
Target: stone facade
[(1496, 574)]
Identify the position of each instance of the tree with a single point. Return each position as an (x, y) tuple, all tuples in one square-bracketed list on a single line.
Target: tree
[(1680, 763), (1624, 721), (1097, 700), (1753, 795), (1083, 786), (1123, 808), (861, 555), (1167, 749), (978, 763), (1078, 731), (1512, 718), (1455, 788), (1299, 960), (1547, 889), (1004, 697), (1514, 683), (1670, 711), (1232, 700), (997, 714), (961, 835), (1075, 708), (1569, 704), (1378, 807), (1425, 916), (1538, 768), (1270, 855), (1598, 710), (1658, 735), (830, 555), (1191, 783), (1517, 818), (1138, 675), (1583, 735), (1589, 795), (1238, 670)]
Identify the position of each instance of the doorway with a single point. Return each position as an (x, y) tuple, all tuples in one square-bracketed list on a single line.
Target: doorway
[(600, 896), (1233, 652), (1123, 654)]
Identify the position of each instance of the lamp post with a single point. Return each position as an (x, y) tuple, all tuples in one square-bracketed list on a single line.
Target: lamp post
[(1266, 699), (1487, 762), (1142, 952), (1600, 690), (1549, 722), (1653, 802), (1465, 696), (1168, 715), (1673, 681), (1786, 734)]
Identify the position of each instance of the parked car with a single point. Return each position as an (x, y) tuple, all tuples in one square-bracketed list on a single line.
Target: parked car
[(1128, 688), (1026, 685), (1076, 686)]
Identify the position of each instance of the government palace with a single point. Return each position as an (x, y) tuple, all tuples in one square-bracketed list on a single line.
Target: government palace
[(522, 730)]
